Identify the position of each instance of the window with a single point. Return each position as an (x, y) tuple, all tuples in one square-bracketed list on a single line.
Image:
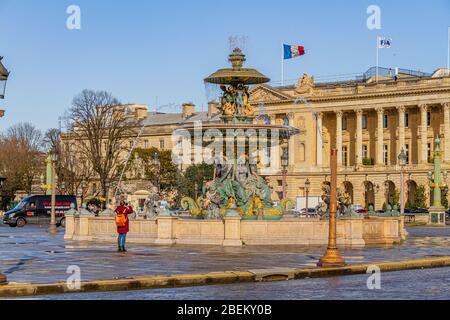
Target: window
[(429, 119), (146, 145), (344, 123), (385, 121), (407, 153), (364, 121), (365, 152), (406, 120), (268, 154), (161, 144), (385, 154), (429, 151), (344, 155), (286, 121)]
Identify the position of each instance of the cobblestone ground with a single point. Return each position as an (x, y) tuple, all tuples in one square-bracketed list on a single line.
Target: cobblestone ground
[(31, 255)]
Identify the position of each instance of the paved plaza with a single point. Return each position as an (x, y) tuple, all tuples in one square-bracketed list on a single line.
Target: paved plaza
[(30, 255)]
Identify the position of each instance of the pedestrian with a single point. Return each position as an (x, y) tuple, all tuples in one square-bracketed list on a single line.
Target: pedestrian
[(123, 224)]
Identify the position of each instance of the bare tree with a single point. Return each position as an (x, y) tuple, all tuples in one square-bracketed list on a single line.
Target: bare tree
[(99, 128), (21, 158)]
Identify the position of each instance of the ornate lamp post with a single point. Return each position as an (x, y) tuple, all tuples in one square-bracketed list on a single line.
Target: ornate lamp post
[(157, 163), (52, 230), (107, 186), (437, 211), (196, 191), (402, 162), (4, 74), (307, 188), (285, 164), (2, 277), (332, 257), (84, 186)]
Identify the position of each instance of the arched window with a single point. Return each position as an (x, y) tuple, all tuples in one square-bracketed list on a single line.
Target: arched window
[(286, 121)]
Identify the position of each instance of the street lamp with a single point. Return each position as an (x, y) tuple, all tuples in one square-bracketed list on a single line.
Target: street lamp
[(307, 188), (332, 257), (157, 163), (53, 230), (285, 164), (83, 190), (196, 191), (402, 162), (4, 74), (2, 277), (107, 186)]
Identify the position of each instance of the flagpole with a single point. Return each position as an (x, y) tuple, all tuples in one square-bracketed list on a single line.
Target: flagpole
[(378, 42), (448, 53), (282, 64)]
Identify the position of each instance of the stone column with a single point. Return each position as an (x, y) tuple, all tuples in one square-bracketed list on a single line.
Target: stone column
[(319, 157), (401, 129), (359, 137), (424, 134), (339, 137), (380, 137), (446, 108)]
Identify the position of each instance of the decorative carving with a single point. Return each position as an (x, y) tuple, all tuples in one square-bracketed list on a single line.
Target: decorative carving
[(359, 112), (305, 84), (339, 114), (401, 109), (446, 106), (423, 108), (235, 101), (380, 111)]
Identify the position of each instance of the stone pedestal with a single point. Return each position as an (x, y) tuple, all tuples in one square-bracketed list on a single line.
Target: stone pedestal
[(166, 233), (70, 227), (437, 216), (232, 232)]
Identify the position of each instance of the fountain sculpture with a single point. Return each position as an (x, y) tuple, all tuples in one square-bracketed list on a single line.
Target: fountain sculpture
[(237, 185)]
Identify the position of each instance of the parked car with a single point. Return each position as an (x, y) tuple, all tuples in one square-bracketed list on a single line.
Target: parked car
[(420, 211), (37, 209), (361, 211)]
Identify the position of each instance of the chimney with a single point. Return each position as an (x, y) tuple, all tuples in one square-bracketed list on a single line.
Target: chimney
[(213, 108), (141, 111), (188, 110)]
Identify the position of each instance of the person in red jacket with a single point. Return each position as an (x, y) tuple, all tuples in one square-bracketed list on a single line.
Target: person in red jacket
[(123, 224)]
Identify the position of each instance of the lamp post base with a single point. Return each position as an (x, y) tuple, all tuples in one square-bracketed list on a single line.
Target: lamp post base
[(2, 280), (332, 258), (53, 230)]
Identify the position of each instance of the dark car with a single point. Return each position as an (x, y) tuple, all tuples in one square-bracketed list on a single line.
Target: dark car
[(37, 209), (420, 211)]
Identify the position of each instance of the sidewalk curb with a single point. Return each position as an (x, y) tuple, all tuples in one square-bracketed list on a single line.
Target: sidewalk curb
[(230, 277)]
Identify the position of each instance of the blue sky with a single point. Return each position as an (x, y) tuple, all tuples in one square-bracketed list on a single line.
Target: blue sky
[(141, 50)]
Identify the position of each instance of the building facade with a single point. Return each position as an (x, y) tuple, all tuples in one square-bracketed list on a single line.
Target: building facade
[(369, 122)]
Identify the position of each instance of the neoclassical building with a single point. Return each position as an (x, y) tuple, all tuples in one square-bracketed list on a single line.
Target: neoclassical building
[(369, 122)]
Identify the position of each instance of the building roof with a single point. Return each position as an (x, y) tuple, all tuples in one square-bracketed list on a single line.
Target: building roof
[(157, 119)]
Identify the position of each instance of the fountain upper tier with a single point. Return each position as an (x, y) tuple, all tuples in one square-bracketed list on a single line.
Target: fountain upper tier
[(237, 75)]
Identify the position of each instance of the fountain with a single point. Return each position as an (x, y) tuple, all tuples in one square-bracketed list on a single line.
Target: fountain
[(238, 188)]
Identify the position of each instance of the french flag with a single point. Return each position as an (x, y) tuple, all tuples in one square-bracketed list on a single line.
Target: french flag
[(293, 51)]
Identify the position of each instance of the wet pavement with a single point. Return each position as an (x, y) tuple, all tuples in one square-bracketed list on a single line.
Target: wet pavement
[(406, 285), (30, 255)]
